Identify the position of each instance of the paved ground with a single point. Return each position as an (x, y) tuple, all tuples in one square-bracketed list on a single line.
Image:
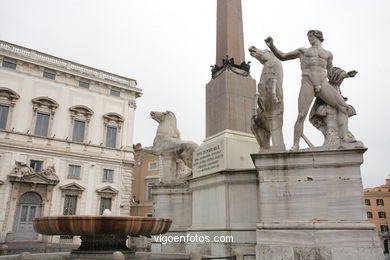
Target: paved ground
[(37, 247)]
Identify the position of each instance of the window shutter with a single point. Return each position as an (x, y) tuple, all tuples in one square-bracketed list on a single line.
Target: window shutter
[(3, 116), (78, 131), (42, 124), (111, 137)]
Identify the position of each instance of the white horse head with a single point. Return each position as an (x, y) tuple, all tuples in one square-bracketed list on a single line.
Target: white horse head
[(167, 124)]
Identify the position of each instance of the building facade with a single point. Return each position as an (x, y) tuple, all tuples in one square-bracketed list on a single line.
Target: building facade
[(146, 174), (377, 202), (66, 137)]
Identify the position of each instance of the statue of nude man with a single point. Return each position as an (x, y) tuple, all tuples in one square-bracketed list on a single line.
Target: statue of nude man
[(315, 61)]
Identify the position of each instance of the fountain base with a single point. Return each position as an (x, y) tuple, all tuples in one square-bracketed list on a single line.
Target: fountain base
[(101, 247)]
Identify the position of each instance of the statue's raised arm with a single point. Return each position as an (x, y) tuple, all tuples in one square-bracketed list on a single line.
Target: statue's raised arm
[(281, 55)]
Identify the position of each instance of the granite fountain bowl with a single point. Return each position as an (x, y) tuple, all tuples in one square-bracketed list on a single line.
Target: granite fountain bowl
[(101, 225)]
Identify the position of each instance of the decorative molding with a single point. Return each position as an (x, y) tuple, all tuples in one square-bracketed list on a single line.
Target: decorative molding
[(81, 110), (24, 173), (9, 96), (42, 59), (107, 189), (113, 117), (72, 187), (46, 102), (132, 104)]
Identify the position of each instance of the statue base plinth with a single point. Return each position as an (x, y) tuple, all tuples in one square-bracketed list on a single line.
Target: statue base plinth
[(174, 201), (227, 150), (311, 206)]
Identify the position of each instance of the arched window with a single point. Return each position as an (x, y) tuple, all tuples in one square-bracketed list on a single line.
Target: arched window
[(80, 117), (44, 110), (8, 99), (112, 129)]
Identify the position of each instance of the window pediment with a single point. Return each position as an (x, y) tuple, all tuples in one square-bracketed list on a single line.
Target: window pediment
[(72, 187), (8, 96), (107, 189), (44, 102), (24, 173), (113, 117), (81, 110)]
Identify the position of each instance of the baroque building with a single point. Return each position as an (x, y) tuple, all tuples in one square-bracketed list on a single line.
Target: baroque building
[(377, 202), (146, 174), (66, 137)]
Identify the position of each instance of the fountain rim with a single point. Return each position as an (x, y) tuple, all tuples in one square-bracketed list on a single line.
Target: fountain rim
[(118, 218)]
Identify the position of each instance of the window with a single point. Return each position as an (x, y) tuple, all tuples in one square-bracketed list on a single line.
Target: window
[(80, 117), (49, 75), (8, 99), (111, 136), (384, 228), (379, 202), (114, 92), (105, 203), (149, 215), (42, 124), (149, 190), (83, 84), (78, 131), (367, 202), (108, 175), (369, 214), (74, 171), (382, 214), (8, 64), (152, 166), (70, 204), (112, 129), (36, 165), (3, 116), (44, 110)]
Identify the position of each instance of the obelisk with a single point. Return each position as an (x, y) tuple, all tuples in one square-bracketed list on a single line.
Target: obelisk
[(229, 95), (223, 176), (230, 36)]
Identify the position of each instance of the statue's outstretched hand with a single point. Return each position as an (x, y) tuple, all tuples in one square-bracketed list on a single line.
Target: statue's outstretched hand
[(352, 73), (269, 41)]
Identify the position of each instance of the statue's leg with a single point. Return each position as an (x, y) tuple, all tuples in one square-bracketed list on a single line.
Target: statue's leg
[(277, 133), (306, 95), (265, 137)]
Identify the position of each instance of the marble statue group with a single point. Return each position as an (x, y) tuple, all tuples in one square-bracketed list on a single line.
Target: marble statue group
[(320, 79)]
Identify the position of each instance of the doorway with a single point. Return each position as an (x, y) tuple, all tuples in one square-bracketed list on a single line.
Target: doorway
[(29, 207)]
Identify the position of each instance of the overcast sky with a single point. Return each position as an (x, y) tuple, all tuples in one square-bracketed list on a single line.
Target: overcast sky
[(168, 47)]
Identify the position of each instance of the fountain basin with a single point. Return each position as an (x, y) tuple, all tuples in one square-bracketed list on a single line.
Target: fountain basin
[(101, 235), (101, 225)]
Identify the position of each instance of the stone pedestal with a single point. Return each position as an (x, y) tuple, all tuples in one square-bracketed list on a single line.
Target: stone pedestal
[(224, 204), (227, 150), (174, 201), (224, 193), (311, 206)]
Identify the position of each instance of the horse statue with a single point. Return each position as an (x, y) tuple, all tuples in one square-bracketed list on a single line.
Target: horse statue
[(267, 119), (176, 154)]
